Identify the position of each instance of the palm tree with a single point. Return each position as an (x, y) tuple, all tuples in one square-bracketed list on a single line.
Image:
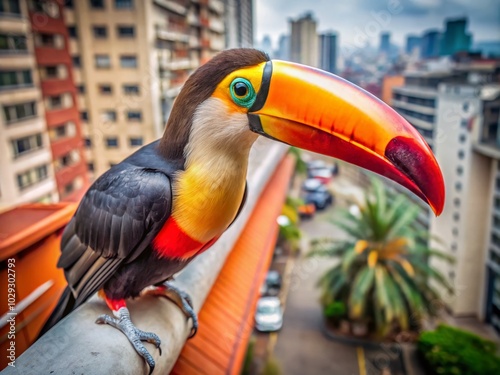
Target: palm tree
[(383, 276)]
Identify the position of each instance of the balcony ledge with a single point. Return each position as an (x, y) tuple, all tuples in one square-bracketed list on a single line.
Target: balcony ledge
[(78, 344)]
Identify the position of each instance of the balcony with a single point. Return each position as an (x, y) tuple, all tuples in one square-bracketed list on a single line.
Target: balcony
[(173, 35), (194, 42), (172, 6), (216, 6), (414, 107), (216, 25), (420, 92), (193, 19), (488, 141), (181, 64)]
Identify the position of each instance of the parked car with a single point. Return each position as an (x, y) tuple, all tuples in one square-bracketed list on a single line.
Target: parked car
[(269, 315), (321, 170), (313, 191), (272, 284)]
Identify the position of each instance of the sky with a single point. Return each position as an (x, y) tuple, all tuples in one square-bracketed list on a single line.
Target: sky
[(358, 21)]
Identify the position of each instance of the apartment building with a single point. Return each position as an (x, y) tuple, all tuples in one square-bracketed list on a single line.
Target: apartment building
[(27, 173), (130, 59), (58, 90), (239, 23), (457, 112)]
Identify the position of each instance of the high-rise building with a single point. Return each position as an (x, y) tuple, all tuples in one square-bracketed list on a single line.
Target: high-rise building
[(60, 98), (328, 52), (239, 23), (283, 52), (130, 60), (266, 45), (41, 156), (25, 156), (455, 38), (413, 43), (385, 43), (458, 112), (431, 44), (304, 40)]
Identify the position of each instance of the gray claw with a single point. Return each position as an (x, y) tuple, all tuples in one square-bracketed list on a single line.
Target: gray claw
[(134, 334)]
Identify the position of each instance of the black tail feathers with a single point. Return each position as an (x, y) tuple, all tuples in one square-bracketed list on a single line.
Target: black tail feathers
[(65, 305)]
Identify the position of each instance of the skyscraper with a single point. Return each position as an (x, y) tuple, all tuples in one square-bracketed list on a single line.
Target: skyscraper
[(413, 42), (455, 38), (385, 43), (239, 23), (328, 51), (304, 40), (283, 52), (431, 44)]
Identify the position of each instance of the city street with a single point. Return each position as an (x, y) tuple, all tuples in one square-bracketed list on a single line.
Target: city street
[(301, 346)]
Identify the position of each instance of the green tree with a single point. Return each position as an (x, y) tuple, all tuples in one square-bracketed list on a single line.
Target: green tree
[(383, 272)]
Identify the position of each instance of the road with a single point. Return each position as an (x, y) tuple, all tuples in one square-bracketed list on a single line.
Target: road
[(301, 347)]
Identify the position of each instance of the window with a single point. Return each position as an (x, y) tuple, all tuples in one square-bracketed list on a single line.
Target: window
[(62, 131), (84, 116), (10, 43), (124, 4), (76, 61), (135, 141), (19, 112), (80, 89), (102, 61), (72, 32), (24, 145), (125, 31), (105, 89), (90, 167), (108, 115), (458, 186), (131, 89), (462, 138), (15, 78), (134, 115), (68, 4), (10, 7), (461, 154), (128, 61), (460, 170), (456, 216), (67, 160), (96, 4), (59, 101), (51, 72), (112, 142), (88, 142), (32, 176), (49, 40), (100, 32)]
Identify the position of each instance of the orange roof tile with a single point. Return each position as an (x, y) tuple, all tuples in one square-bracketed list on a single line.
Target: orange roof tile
[(226, 318)]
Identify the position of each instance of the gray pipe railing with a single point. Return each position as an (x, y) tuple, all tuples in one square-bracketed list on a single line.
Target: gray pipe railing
[(79, 346)]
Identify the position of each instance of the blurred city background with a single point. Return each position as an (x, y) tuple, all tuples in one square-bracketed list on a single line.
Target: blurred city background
[(85, 83)]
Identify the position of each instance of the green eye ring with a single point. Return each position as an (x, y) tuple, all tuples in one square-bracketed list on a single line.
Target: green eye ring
[(242, 92)]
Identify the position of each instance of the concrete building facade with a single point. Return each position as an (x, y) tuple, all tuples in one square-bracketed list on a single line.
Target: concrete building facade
[(59, 97), (130, 59), (458, 113), (27, 173), (239, 23), (328, 51), (304, 40)]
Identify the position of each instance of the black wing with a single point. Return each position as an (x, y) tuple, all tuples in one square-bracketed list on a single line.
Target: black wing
[(117, 219)]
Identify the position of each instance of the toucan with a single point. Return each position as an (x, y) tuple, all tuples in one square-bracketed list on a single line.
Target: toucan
[(147, 217)]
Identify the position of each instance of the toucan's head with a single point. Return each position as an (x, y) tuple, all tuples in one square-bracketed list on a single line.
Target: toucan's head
[(242, 92)]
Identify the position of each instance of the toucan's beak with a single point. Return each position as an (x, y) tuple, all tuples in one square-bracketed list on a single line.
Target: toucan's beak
[(320, 112)]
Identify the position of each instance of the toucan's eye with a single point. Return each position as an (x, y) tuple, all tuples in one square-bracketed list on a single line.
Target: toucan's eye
[(242, 92)]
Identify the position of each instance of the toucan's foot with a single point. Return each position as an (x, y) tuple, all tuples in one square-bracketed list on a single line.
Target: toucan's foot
[(180, 298), (134, 334)]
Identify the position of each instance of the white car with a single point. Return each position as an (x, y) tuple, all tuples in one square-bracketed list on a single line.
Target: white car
[(269, 315)]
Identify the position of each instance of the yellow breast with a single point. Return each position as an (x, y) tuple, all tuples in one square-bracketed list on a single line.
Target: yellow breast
[(207, 199)]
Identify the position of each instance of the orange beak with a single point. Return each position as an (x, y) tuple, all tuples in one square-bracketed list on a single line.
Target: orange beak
[(320, 112)]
